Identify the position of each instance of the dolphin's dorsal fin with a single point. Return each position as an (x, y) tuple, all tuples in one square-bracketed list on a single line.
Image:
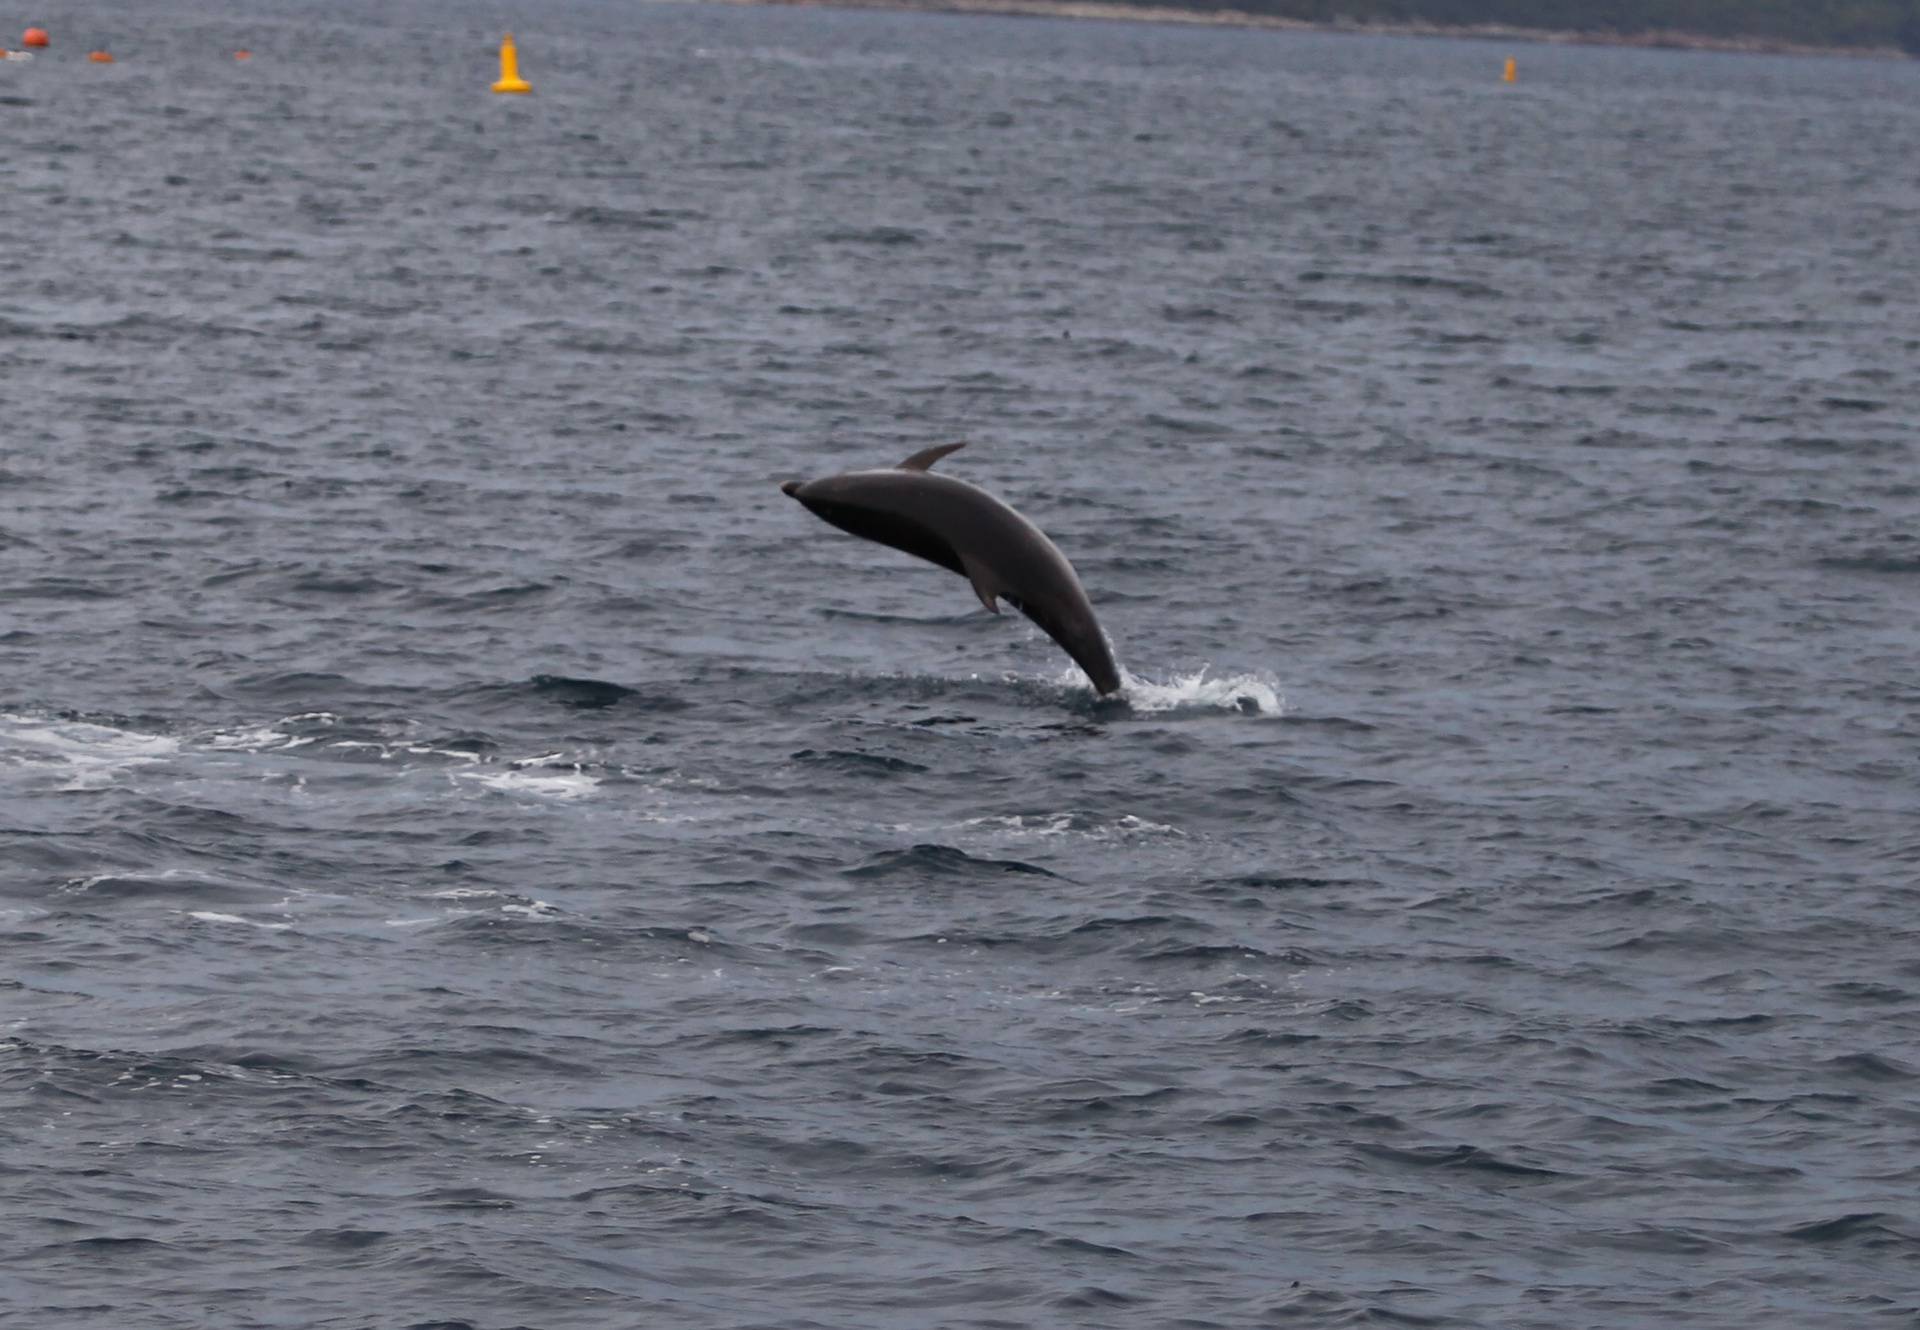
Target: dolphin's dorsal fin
[(926, 457)]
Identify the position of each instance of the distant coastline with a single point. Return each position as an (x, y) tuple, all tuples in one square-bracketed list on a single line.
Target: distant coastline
[(1129, 13)]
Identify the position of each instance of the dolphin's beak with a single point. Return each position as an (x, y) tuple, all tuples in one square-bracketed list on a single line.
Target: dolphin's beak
[(791, 489)]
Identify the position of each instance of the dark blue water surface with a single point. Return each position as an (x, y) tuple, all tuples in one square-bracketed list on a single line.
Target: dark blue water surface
[(472, 852)]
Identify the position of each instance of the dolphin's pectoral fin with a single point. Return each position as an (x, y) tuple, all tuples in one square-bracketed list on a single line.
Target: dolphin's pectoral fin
[(926, 457), (984, 585)]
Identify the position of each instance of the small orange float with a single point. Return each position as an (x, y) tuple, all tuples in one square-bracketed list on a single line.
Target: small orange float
[(243, 55), (99, 57), (510, 80), (34, 37)]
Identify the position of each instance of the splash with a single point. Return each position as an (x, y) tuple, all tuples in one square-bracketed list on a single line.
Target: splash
[(1249, 694)]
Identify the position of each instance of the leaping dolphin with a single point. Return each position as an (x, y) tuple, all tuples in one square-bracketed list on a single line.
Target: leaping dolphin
[(963, 528)]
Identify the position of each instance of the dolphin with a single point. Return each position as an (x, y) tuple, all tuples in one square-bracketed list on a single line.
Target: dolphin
[(966, 530)]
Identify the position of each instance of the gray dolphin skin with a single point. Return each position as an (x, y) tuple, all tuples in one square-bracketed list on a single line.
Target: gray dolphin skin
[(965, 529)]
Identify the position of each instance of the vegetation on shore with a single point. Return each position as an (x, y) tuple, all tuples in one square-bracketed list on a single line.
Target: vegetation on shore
[(1887, 24), (1886, 27)]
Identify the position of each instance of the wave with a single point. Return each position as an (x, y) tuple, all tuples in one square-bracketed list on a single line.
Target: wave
[(930, 860), (573, 694)]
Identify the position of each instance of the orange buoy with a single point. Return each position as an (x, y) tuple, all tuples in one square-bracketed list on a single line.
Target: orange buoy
[(99, 57), (243, 55), (510, 80), (34, 37)]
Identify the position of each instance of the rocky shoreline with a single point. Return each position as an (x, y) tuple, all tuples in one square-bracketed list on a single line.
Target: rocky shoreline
[(1093, 9)]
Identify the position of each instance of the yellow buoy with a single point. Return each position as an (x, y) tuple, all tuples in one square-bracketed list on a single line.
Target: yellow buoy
[(510, 80), (1513, 71)]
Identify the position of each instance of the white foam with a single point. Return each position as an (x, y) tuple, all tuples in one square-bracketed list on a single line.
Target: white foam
[(515, 905), (80, 886), (215, 917), (268, 738), (1250, 694), (1046, 825), (1140, 826), (78, 755), (251, 739), (546, 783), (457, 754), (272, 739), (86, 756)]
